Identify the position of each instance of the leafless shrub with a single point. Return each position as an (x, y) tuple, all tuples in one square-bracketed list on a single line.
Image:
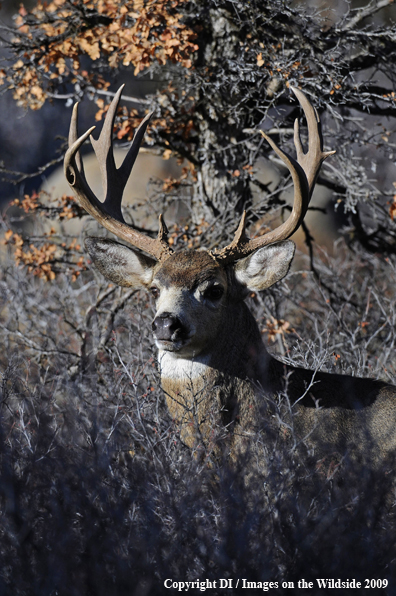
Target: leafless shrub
[(98, 494)]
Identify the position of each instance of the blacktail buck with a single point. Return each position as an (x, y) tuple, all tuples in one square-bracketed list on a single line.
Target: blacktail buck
[(215, 370)]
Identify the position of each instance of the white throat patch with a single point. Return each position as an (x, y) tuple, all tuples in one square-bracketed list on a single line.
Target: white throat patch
[(176, 367)]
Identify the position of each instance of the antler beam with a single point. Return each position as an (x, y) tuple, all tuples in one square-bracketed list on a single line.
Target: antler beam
[(109, 213), (304, 172)]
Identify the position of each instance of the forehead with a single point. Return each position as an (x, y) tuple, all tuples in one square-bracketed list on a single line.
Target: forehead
[(188, 268)]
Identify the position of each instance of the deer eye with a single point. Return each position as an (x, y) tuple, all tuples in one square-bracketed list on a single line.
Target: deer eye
[(213, 293), (154, 291)]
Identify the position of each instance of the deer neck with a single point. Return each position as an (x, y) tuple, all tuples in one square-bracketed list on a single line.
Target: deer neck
[(238, 351), (218, 380)]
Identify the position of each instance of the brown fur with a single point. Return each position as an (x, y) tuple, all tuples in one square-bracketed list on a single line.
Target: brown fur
[(341, 414), (187, 268)]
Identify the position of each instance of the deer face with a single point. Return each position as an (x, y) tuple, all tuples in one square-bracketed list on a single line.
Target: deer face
[(192, 290)]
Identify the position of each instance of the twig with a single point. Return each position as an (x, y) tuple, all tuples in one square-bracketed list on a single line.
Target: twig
[(365, 12)]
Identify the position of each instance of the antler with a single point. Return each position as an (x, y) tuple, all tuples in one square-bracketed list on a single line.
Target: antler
[(304, 172), (109, 213)]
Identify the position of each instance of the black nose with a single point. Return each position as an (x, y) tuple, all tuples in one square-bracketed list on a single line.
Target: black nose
[(168, 327)]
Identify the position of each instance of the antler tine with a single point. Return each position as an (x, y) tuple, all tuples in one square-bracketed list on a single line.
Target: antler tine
[(304, 172), (114, 180), (108, 213), (73, 166), (313, 159), (103, 147), (73, 136)]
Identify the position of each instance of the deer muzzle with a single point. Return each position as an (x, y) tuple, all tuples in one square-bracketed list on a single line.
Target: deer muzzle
[(169, 332)]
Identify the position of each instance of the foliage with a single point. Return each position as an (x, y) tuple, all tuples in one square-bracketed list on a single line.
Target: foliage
[(55, 35), (97, 493), (47, 258), (224, 69)]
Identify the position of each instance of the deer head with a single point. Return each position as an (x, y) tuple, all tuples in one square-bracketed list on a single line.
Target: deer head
[(191, 287)]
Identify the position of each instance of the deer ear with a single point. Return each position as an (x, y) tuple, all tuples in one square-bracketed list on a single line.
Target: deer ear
[(120, 264), (266, 266)]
